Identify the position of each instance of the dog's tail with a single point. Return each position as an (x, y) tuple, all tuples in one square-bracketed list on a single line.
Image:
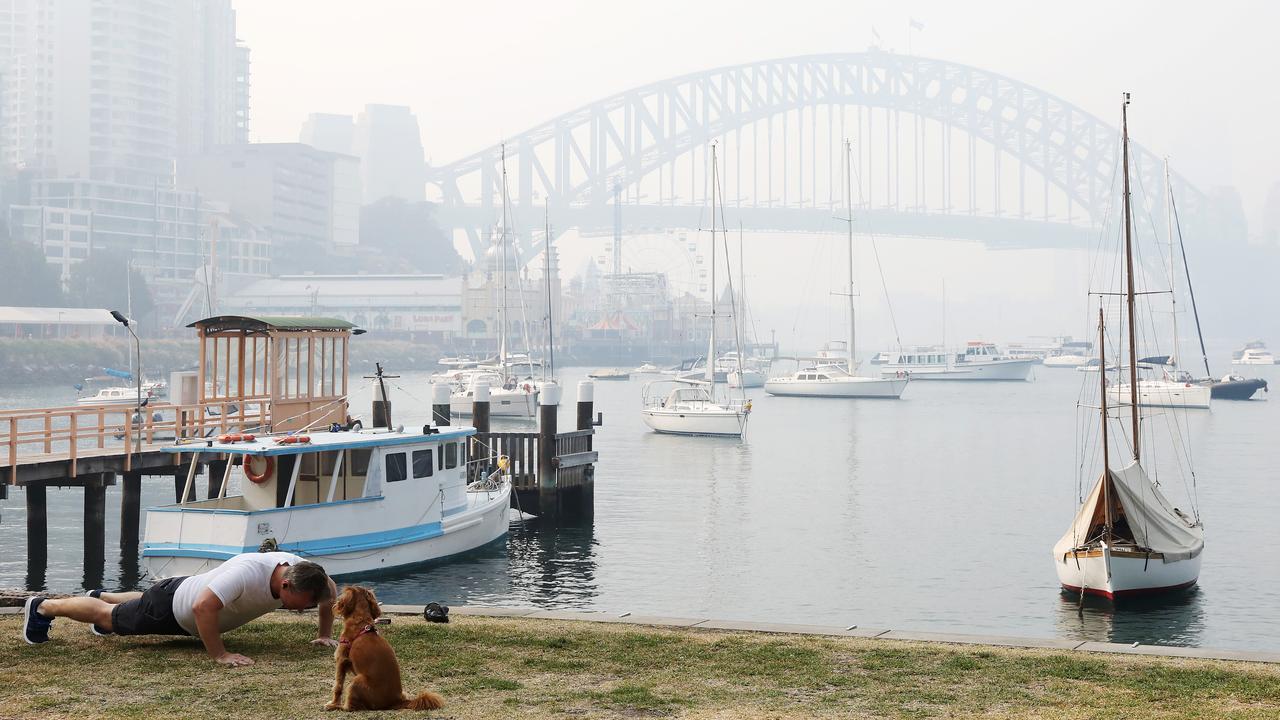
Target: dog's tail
[(424, 701)]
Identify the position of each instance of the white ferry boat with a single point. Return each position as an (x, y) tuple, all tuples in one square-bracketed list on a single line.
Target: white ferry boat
[(1253, 353), (353, 501), (979, 361), (115, 396)]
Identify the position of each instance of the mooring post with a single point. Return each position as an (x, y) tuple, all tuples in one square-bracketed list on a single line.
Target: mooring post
[(586, 407), (548, 495), (586, 403), (130, 511), (95, 526), (440, 404), (217, 470), (37, 534), (480, 407), (381, 407)]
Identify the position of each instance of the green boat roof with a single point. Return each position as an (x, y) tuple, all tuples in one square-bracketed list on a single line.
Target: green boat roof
[(266, 323)]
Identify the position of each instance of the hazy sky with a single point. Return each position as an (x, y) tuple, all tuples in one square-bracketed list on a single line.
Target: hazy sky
[(1202, 74)]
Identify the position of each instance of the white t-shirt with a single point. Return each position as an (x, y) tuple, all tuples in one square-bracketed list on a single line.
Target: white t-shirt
[(243, 584)]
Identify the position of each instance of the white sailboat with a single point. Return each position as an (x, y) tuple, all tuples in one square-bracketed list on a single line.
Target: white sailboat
[(1127, 538), (509, 395), (687, 406), (827, 380)]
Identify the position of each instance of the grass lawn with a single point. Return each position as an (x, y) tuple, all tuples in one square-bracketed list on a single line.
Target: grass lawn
[(521, 668)]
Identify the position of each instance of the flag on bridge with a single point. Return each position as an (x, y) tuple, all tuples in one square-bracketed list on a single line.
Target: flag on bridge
[(916, 24)]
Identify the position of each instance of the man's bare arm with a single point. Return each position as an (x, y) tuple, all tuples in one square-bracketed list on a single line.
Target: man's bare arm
[(325, 634), (206, 608)]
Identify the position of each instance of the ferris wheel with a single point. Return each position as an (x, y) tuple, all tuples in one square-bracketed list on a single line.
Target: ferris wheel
[(676, 254)]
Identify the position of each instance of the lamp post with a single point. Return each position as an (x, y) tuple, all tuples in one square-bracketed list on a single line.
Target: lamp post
[(137, 374)]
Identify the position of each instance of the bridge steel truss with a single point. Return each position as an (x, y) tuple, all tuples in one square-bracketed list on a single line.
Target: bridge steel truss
[(578, 161)]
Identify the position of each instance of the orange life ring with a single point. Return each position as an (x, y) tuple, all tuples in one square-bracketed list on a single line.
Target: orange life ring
[(293, 440), (259, 478)]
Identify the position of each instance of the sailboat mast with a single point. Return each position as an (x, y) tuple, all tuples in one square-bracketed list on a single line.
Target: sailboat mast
[(711, 343), (1102, 388), (502, 309), (848, 205), (549, 370), (1173, 275), (1129, 294)]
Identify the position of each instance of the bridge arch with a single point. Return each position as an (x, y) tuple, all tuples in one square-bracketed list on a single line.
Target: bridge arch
[(578, 161)]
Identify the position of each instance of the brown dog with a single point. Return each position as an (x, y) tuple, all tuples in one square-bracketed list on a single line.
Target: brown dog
[(366, 653)]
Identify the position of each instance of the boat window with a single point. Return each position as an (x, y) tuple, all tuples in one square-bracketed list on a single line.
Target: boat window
[(396, 470), (440, 460), (451, 455), (360, 461), (422, 464), (821, 377)]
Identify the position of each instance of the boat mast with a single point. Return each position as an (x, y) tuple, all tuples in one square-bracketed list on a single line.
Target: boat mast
[(848, 187), (549, 370), (1128, 253), (502, 309), (711, 343), (1173, 275), (1191, 291), (1106, 457)]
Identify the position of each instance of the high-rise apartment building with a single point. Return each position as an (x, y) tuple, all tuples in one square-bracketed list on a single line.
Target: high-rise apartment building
[(114, 90), (389, 144), (329, 132)]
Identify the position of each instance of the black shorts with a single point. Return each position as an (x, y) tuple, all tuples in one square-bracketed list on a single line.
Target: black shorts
[(151, 614)]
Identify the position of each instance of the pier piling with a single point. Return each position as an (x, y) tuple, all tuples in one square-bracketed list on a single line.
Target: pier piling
[(130, 512), (381, 407), (480, 407), (548, 495), (95, 526), (37, 534), (440, 404)]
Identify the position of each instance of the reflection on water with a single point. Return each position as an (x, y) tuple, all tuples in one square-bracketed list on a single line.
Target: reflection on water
[(1176, 618), (538, 564)]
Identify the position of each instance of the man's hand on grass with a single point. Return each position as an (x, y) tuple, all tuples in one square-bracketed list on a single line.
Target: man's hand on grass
[(233, 660)]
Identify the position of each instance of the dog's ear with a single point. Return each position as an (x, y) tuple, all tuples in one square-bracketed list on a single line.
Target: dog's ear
[(342, 606), (375, 611)]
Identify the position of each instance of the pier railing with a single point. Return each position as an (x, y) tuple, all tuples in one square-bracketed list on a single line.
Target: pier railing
[(573, 460), (70, 433)]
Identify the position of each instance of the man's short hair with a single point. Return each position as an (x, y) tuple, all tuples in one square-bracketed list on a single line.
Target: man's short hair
[(309, 577)]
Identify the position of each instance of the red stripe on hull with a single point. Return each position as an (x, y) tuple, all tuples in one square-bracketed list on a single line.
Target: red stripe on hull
[(1129, 593)]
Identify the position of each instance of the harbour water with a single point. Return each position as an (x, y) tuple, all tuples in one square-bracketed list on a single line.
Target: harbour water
[(935, 512)]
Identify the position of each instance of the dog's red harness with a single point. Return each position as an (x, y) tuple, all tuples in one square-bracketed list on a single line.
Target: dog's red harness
[(363, 631)]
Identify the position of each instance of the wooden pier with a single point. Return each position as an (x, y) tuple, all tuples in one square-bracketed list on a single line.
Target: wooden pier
[(256, 375)]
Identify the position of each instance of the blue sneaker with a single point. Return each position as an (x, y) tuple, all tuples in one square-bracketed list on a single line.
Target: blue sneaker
[(35, 627), (94, 627)]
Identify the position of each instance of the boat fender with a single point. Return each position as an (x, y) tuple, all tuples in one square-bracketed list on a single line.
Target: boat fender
[(747, 407), (527, 387), (267, 469)]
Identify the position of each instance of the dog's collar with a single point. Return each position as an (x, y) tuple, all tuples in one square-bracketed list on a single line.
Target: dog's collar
[(363, 631)]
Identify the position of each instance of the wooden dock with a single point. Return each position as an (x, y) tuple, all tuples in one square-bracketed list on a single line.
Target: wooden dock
[(257, 375)]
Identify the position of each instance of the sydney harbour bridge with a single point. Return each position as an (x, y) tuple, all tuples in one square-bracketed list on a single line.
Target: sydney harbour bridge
[(940, 150)]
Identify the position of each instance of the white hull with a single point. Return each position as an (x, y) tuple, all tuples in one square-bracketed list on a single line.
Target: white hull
[(1255, 361), (1163, 394), (1066, 361), (993, 370), (696, 422), (846, 387), (502, 403), (1128, 575), (748, 379), (482, 522)]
